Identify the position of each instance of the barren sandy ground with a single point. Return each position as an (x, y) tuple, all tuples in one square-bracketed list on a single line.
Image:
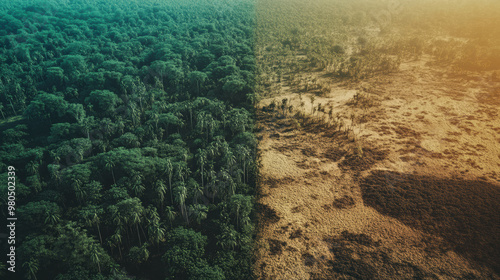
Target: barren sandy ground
[(423, 120)]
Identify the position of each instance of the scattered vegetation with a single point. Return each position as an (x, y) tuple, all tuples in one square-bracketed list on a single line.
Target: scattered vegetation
[(307, 49), (304, 45), (355, 257)]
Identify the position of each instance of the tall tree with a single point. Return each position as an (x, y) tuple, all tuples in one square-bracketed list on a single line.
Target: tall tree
[(198, 212), (109, 164), (156, 233), (170, 214), (241, 206), (31, 267), (170, 172), (90, 214), (180, 192), (115, 240), (160, 188), (95, 255), (202, 157)]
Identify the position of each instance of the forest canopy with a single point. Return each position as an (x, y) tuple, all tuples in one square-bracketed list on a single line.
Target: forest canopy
[(129, 124)]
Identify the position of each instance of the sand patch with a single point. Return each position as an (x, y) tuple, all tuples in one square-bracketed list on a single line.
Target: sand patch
[(421, 122)]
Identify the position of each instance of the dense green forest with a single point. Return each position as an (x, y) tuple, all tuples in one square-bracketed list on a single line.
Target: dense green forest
[(129, 125)]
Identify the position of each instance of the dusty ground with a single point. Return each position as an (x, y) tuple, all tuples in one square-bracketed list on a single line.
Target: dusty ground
[(422, 121)]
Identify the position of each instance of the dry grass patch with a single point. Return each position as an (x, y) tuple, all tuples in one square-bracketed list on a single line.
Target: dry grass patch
[(465, 213)]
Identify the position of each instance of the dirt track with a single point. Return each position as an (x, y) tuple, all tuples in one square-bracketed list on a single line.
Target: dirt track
[(423, 120)]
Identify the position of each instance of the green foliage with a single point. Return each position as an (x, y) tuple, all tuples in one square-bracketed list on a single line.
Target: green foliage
[(47, 107), (15, 135), (135, 133), (207, 272), (103, 101), (185, 253), (40, 213), (139, 254)]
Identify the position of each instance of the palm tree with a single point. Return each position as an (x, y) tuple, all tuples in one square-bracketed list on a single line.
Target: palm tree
[(134, 112), (1, 111), (51, 218), (115, 269), (227, 182), (228, 239), (79, 191), (120, 125), (230, 160), (201, 121), (87, 125), (12, 105), (170, 170), (283, 105), (180, 171), (144, 251), (152, 215), (312, 97), (137, 186), (109, 164), (94, 255), (31, 267), (352, 118), (160, 189), (155, 118), (156, 233), (107, 126), (213, 182), (119, 220), (244, 158), (136, 219), (55, 174), (170, 213), (91, 216), (211, 126), (116, 216), (198, 191), (180, 197), (138, 189), (236, 205), (202, 156), (240, 207), (198, 212), (116, 240), (32, 168)]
